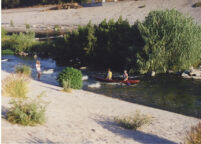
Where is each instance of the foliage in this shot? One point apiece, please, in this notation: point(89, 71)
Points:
point(19, 42)
point(23, 112)
point(135, 122)
point(197, 4)
point(27, 26)
point(194, 135)
point(11, 23)
point(67, 85)
point(7, 52)
point(15, 86)
point(72, 75)
point(23, 69)
point(172, 42)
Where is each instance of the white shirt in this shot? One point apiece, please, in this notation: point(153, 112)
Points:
point(38, 67)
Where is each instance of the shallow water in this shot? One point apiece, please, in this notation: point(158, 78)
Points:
point(168, 92)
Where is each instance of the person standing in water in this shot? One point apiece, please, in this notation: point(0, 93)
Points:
point(109, 74)
point(125, 75)
point(38, 69)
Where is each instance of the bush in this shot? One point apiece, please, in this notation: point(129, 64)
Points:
point(7, 52)
point(15, 86)
point(194, 135)
point(135, 122)
point(23, 69)
point(26, 112)
point(19, 42)
point(198, 4)
point(172, 42)
point(72, 75)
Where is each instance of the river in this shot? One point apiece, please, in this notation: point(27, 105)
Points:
point(167, 92)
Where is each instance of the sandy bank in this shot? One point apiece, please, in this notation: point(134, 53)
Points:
point(83, 117)
point(41, 20)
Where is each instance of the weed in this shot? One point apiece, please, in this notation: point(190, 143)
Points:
point(23, 69)
point(135, 122)
point(194, 135)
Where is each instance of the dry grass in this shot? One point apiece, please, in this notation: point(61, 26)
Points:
point(15, 86)
point(67, 86)
point(23, 69)
point(133, 122)
point(27, 112)
point(194, 135)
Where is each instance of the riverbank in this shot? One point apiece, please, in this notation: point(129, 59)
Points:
point(85, 117)
point(42, 20)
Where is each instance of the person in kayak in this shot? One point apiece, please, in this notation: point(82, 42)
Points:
point(125, 75)
point(109, 74)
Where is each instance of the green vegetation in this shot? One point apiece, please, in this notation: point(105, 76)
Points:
point(197, 4)
point(73, 76)
point(26, 112)
point(67, 85)
point(166, 40)
point(19, 42)
point(23, 69)
point(194, 135)
point(172, 42)
point(7, 52)
point(11, 23)
point(15, 86)
point(135, 122)
point(28, 26)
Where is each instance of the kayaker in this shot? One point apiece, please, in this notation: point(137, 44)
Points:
point(109, 74)
point(125, 75)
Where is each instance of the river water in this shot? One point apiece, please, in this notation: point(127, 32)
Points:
point(167, 92)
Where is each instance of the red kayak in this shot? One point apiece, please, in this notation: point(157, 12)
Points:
point(128, 82)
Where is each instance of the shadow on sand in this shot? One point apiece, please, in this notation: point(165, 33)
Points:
point(138, 136)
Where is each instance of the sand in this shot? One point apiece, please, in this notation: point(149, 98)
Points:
point(83, 117)
point(41, 20)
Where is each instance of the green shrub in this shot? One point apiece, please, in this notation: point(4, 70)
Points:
point(23, 69)
point(72, 75)
point(23, 112)
point(15, 86)
point(27, 26)
point(197, 4)
point(172, 42)
point(11, 23)
point(67, 85)
point(194, 135)
point(19, 42)
point(133, 122)
point(7, 52)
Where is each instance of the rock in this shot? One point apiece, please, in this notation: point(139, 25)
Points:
point(153, 73)
point(85, 77)
point(4, 60)
point(185, 75)
point(50, 71)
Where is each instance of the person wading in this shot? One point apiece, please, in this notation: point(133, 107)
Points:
point(38, 69)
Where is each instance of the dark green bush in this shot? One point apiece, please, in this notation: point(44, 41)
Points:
point(172, 42)
point(74, 76)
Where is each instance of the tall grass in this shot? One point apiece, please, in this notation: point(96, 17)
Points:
point(194, 135)
point(30, 112)
point(15, 86)
point(67, 85)
point(133, 122)
point(23, 69)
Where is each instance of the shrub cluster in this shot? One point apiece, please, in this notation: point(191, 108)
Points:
point(18, 42)
point(133, 122)
point(26, 112)
point(72, 76)
point(23, 69)
point(194, 135)
point(197, 4)
point(15, 86)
